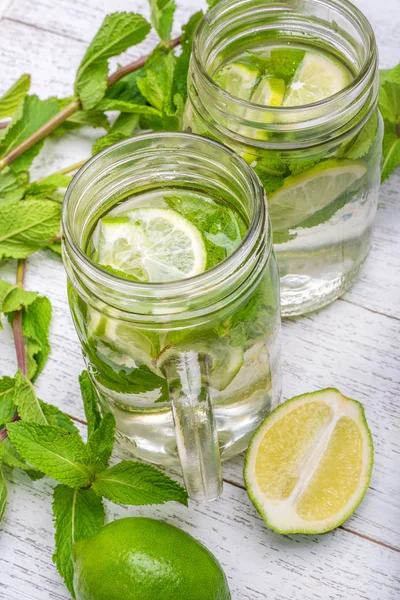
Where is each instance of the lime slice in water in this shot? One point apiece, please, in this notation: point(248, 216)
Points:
point(152, 245)
point(238, 79)
point(303, 195)
point(316, 78)
point(309, 464)
point(269, 92)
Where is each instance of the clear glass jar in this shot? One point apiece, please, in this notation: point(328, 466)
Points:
point(336, 142)
point(189, 368)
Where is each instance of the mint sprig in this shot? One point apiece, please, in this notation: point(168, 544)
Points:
point(389, 104)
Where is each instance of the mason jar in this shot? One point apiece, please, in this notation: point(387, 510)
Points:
point(189, 368)
point(319, 162)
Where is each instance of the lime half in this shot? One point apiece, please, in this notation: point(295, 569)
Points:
point(238, 79)
point(316, 78)
point(152, 245)
point(301, 196)
point(309, 464)
point(269, 92)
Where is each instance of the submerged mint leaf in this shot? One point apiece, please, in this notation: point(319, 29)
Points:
point(14, 97)
point(360, 145)
point(136, 484)
point(78, 514)
point(28, 229)
point(162, 17)
point(53, 451)
point(117, 33)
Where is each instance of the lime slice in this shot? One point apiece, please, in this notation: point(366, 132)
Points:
point(225, 360)
point(269, 92)
point(238, 79)
point(301, 196)
point(152, 245)
point(316, 78)
point(309, 464)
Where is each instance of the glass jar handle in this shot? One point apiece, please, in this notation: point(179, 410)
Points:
point(187, 373)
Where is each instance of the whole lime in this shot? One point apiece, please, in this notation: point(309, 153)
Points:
point(144, 559)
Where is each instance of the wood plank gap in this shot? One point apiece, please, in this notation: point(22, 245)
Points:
point(5, 8)
point(375, 312)
point(39, 28)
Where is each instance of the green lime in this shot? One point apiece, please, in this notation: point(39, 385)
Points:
point(309, 464)
point(301, 196)
point(316, 78)
point(238, 79)
point(268, 92)
point(144, 559)
point(152, 245)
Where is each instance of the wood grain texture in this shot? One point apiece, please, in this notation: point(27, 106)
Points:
point(352, 345)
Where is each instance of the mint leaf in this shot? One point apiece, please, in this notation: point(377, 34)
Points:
point(100, 444)
point(12, 185)
point(56, 418)
point(118, 32)
point(35, 328)
point(391, 149)
point(125, 123)
point(183, 60)
point(3, 494)
point(156, 78)
point(50, 449)
point(270, 182)
point(26, 230)
point(28, 406)
point(7, 406)
point(108, 140)
point(40, 189)
point(127, 107)
point(162, 17)
point(135, 483)
point(13, 298)
point(12, 99)
point(89, 398)
point(361, 144)
point(35, 113)
point(12, 459)
point(78, 514)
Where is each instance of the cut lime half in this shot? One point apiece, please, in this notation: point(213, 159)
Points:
point(152, 245)
point(309, 464)
point(316, 78)
point(301, 196)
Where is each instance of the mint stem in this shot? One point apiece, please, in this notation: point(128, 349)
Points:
point(72, 108)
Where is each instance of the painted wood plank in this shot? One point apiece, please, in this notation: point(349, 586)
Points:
point(259, 563)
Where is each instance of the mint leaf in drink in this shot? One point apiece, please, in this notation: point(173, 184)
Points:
point(117, 33)
point(78, 514)
point(361, 144)
point(53, 451)
point(182, 61)
point(32, 227)
point(35, 328)
point(14, 97)
point(7, 406)
point(270, 182)
point(12, 459)
point(35, 113)
point(90, 406)
point(3, 493)
point(136, 484)
point(28, 405)
point(12, 186)
point(100, 444)
point(56, 418)
point(13, 298)
point(162, 17)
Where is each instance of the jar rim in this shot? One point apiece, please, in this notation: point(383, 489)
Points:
point(356, 86)
point(173, 289)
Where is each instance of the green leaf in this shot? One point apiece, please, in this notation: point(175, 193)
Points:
point(183, 60)
point(35, 328)
point(156, 79)
point(13, 298)
point(118, 32)
point(28, 405)
point(57, 418)
point(136, 483)
point(12, 99)
point(391, 149)
point(100, 444)
point(13, 460)
point(35, 113)
point(26, 230)
point(12, 185)
point(91, 118)
point(90, 405)
point(125, 123)
point(78, 514)
point(7, 406)
point(361, 144)
point(162, 17)
point(57, 453)
point(108, 140)
point(40, 189)
point(3, 495)
point(127, 107)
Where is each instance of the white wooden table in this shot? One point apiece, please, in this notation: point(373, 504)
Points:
point(353, 345)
